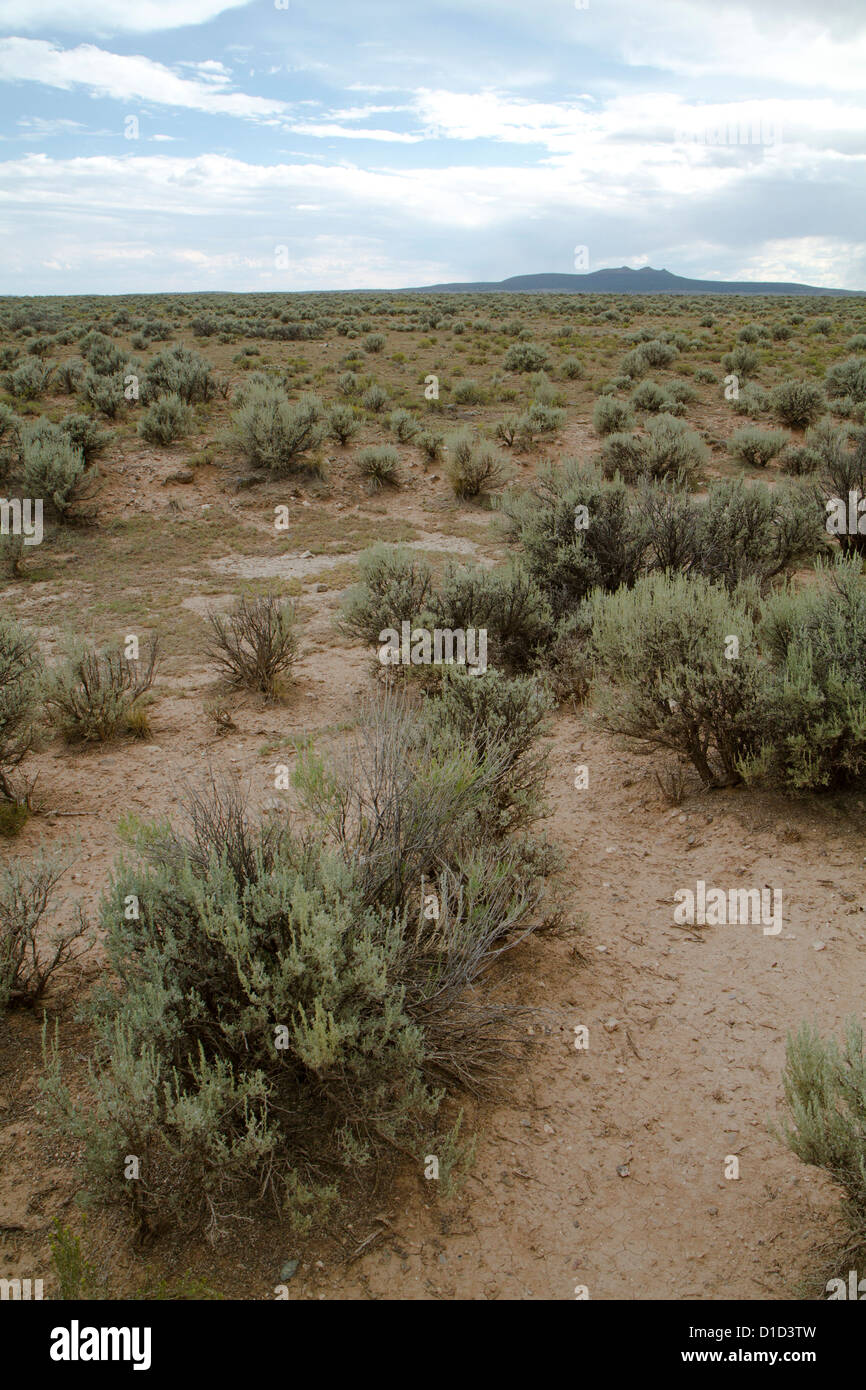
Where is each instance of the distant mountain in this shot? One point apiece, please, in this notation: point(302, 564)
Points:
point(624, 281)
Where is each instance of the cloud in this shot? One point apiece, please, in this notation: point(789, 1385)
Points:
point(111, 16)
point(126, 78)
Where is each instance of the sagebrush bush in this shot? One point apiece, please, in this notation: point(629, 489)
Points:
point(506, 603)
point(178, 371)
point(825, 1097)
point(166, 419)
point(467, 392)
point(797, 404)
point(610, 416)
point(20, 670)
point(752, 400)
point(755, 447)
point(472, 466)
point(749, 531)
point(811, 711)
point(254, 646)
point(104, 393)
point(343, 424)
point(526, 357)
point(275, 433)
point(668, 448)
point(664, 676)
point(799, 460)
point(577, 532)
point(379, 464)
point(53, 469)
point(284, 1010)
point(375, 398)
point(403, 425)
point(432, 445)
point(846, 379)
point(29, 379)
point(742, 362)
point(29, 956)
point(503, 715)
point(93, 695)
point(395, 586)
point(84, 433)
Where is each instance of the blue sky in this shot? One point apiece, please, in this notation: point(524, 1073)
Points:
point(157, 145)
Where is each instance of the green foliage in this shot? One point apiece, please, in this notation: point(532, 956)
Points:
point(93, 695)
point(847, 378)
point(275, 433)
point(525, 357)
point(395, 587)
point(403, 425)
point(28, 380)
point(84, 433)
point(666, 449)
point(20, 668)
point(283, 1013)
point(178, 371)
point(811, 713)
point(825, 1097)
point(751, 531)
point(472, 466)
point(797, 404)
point(610, 416)
point(343, 424)
point(379, 465)
point(53, 469)
point(30, 956)
point(168, 418)
point(755, 447)
point(664, 674)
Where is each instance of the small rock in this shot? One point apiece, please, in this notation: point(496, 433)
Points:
point(183, 475)
point(289, 1270)
point(611, 1025)
point(306, 555)
point(623, 1170)
point(819, 946)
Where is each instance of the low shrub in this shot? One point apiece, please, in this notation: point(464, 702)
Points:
point(20, 670)
point(284, 1007)
point(275, 433)
point(610, 416)
point(29, 956)
point(166, 419)
point(254, 646)
point(664, 676)
point(472, 466)
point(379, 465)
point(797, 404)
point(94, 695)
point(755, 448)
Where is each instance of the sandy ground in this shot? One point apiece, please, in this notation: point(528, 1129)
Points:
point(604, 1168)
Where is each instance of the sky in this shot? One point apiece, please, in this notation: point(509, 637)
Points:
point(190, 145)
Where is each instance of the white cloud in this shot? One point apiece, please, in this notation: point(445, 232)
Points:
point(124, 78)
point(110, 16)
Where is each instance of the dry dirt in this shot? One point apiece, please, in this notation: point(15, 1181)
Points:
point(602, 1167)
